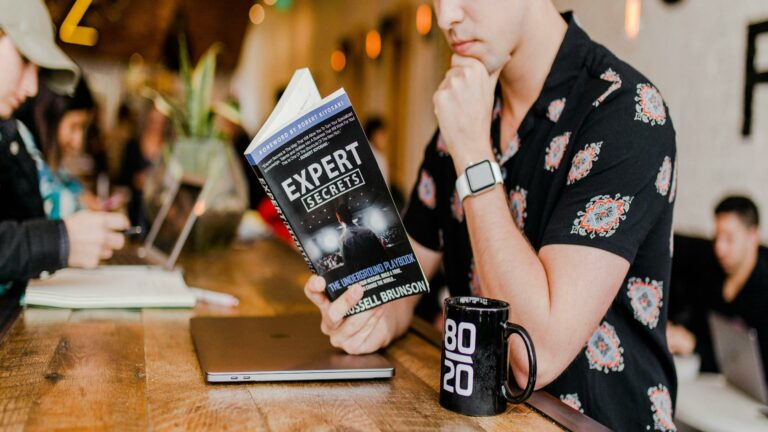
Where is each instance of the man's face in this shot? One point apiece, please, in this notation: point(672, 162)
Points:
point(18, 78)
point(733, 241)
point(488, 30)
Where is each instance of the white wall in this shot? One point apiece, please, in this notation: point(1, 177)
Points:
point(695, 54)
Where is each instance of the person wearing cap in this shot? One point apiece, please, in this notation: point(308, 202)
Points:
point(32, 245)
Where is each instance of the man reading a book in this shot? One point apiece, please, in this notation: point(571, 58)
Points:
point(550, 185)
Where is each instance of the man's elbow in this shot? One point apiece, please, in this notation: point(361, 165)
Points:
point(547, 370)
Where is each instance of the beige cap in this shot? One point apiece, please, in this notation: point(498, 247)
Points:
point(28, 24)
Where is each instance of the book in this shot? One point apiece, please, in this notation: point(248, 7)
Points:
point(316, 165)
point(111, 287)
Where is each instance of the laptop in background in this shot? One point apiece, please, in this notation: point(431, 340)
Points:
point(171, 226)
point(282, 348)
point(737, 351)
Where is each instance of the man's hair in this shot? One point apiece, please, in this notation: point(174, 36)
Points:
point(743, 207)
point(373, 125)
point(344, 213)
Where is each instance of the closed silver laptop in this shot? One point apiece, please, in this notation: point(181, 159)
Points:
point(282, 348)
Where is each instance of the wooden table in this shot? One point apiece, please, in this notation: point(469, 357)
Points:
point(137, 369)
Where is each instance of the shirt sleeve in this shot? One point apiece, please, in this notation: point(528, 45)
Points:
point(32, 247)
point(421, 219)
point(621, 178)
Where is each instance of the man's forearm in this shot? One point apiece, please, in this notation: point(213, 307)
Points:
point(509, 268)
point(542, 289)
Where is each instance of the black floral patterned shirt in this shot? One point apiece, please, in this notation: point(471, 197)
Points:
point(593, 163)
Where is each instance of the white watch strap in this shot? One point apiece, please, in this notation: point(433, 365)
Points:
point(462, 187)
point(462, 184)
point(497, 177)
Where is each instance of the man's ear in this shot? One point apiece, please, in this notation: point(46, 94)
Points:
point(754, 236)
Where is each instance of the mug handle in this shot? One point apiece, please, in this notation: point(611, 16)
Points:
point(509, 330)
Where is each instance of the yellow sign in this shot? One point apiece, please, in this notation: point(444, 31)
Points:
point(71, 32)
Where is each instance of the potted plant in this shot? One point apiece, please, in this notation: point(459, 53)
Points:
point(200, 150)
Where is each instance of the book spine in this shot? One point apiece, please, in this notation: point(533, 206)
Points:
point(282, 216)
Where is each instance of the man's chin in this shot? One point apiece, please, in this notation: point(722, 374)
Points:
point(727, 269)
point(5, 112)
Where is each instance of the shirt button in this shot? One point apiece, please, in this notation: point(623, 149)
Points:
point(14, 148)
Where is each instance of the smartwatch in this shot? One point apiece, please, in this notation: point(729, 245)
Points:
point(478, 178)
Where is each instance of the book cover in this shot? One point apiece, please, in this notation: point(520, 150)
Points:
point(322, 176)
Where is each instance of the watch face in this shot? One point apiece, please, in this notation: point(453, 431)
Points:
point(480, 176)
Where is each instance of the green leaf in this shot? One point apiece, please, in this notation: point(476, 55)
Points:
point(202, 92)
point(186, 77)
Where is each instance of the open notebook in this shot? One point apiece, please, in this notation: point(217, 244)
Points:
point(111, 287)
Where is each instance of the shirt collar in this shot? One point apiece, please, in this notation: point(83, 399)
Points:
point(568, 63)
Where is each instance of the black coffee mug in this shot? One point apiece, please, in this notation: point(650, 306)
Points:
point(475, 370)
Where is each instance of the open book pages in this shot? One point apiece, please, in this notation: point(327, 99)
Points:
point(111, 287)
point(300, 96)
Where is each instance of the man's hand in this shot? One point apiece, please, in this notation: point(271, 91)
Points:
point(680, 340)
point(463, 106)
point(92, 237)
point(363, 333)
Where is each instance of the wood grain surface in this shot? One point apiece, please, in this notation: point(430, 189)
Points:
point(137, 369)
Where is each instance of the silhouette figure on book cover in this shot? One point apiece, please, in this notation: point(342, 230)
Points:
point(359, 246)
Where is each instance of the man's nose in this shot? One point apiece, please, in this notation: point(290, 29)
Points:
point(447, 12)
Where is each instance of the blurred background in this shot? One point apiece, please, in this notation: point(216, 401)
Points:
point(390, 56)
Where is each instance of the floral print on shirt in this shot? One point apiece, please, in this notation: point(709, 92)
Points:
point(582, 162)
point(604, 351)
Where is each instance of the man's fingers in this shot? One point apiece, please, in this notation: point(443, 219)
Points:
point(463, 61)
point(355, 324)
point(116, 221)
point(106, 253)
point(495, 77)
point(339, 307)
point(358, 342)
point(314, 289)
point(114, 241)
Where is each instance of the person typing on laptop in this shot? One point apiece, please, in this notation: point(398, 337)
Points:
point(737, 288)
point(31, 244)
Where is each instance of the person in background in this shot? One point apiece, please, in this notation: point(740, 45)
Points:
point(139, 155)
point(125, 129)
point(32, 245)
point(59, 125)
point(738, 288)
point(229, 124)
point(376, 130)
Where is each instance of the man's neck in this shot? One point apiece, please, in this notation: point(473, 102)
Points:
point(734, 281)
point(523, 77)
